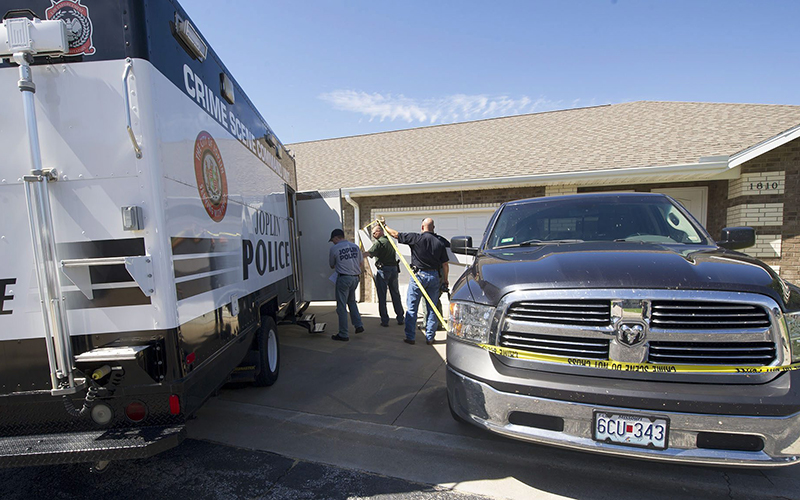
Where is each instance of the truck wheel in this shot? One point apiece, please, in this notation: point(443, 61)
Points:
point(268, 353)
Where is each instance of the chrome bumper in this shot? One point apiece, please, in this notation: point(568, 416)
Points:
point(486, 407)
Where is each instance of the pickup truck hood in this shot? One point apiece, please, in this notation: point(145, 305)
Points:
point(621, 265)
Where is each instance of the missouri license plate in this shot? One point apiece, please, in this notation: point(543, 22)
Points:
point(631, 430)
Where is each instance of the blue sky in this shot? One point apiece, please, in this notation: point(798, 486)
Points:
point(322, 69)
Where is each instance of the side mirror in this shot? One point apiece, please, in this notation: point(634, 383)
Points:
point(735, 238)
point(462, 245)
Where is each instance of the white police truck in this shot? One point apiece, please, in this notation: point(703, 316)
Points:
point(149, 242)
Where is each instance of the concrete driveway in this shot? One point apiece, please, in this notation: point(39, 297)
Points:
point(377, 404)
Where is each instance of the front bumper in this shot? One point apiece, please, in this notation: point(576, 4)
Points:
point(487, 398)
point(486, 407)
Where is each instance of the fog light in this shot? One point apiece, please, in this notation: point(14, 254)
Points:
point(793, 329)
point(102, 414)
point(136, 411)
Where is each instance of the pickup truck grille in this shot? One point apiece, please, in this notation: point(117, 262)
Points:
point(712, 353)
point(684, 327)
point(562, 312)
point(568, 347)
point(685, 315)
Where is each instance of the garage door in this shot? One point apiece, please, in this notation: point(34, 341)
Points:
point(448, 223)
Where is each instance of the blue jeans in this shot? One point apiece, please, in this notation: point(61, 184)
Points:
point(430, 281)
point(346, 298)
point(387, 278)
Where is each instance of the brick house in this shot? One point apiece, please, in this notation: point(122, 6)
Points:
point(729, 164)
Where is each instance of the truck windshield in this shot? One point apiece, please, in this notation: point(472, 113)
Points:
point(572, 220)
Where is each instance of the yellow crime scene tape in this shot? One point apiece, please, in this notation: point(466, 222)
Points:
point(618, 366)
point(431, 304)
point(621, 366)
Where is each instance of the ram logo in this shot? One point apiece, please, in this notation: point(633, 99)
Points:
point(630, 334)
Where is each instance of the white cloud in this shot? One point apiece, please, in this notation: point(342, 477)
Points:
point(447, 109)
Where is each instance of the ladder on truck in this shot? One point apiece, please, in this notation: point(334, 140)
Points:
point(21, 39)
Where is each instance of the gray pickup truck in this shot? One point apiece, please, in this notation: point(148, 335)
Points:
point(614, 323)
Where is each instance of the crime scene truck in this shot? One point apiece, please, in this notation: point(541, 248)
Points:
point(149, 241)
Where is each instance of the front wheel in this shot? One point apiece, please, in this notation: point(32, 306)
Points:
point(268, 353)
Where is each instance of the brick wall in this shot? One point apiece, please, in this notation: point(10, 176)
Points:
point(756, 215)
point(765, 198)
point(560, 190)
point(757, 183)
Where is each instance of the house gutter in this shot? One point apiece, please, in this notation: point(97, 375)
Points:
point(716, 167)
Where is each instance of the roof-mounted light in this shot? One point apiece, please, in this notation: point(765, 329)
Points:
point(191, 38)
point(34, 37)
point(226, 88)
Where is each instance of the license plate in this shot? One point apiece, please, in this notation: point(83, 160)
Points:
point(631, 430)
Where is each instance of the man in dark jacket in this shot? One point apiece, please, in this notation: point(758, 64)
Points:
point(428, 254)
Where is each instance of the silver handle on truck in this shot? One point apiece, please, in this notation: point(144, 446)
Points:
point(128, 69)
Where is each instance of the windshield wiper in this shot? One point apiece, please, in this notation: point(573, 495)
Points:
point(528, 243)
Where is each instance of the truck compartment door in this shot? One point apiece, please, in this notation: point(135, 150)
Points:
point(318, 213)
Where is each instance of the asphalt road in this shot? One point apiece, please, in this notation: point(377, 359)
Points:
point(200, 470)
point(377, 404)
point(369, 419)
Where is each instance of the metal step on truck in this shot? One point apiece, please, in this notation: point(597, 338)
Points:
point(150, 238)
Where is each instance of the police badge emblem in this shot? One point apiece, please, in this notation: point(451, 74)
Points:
point(79, 24)
point(209, 171)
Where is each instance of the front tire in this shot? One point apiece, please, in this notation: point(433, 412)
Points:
point(268, 353)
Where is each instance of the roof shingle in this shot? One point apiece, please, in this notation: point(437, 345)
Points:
point(633, 134)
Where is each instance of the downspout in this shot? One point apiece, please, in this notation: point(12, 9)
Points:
point(356, 216)
point(356, 227)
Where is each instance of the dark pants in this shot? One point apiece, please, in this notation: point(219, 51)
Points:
point(438, 301)
point(430, 282)
point(387, 278)
point(346, 299)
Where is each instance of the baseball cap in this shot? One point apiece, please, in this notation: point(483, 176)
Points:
point(335, 233)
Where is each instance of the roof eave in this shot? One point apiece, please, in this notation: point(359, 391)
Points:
point(765, 146)
point(715, 168)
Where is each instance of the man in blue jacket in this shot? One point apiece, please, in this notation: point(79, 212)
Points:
point(428, 254)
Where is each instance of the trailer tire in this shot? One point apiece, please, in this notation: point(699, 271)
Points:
point(268, 353)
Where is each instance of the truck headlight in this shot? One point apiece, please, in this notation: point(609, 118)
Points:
point(793, 329)
point(470, 322)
